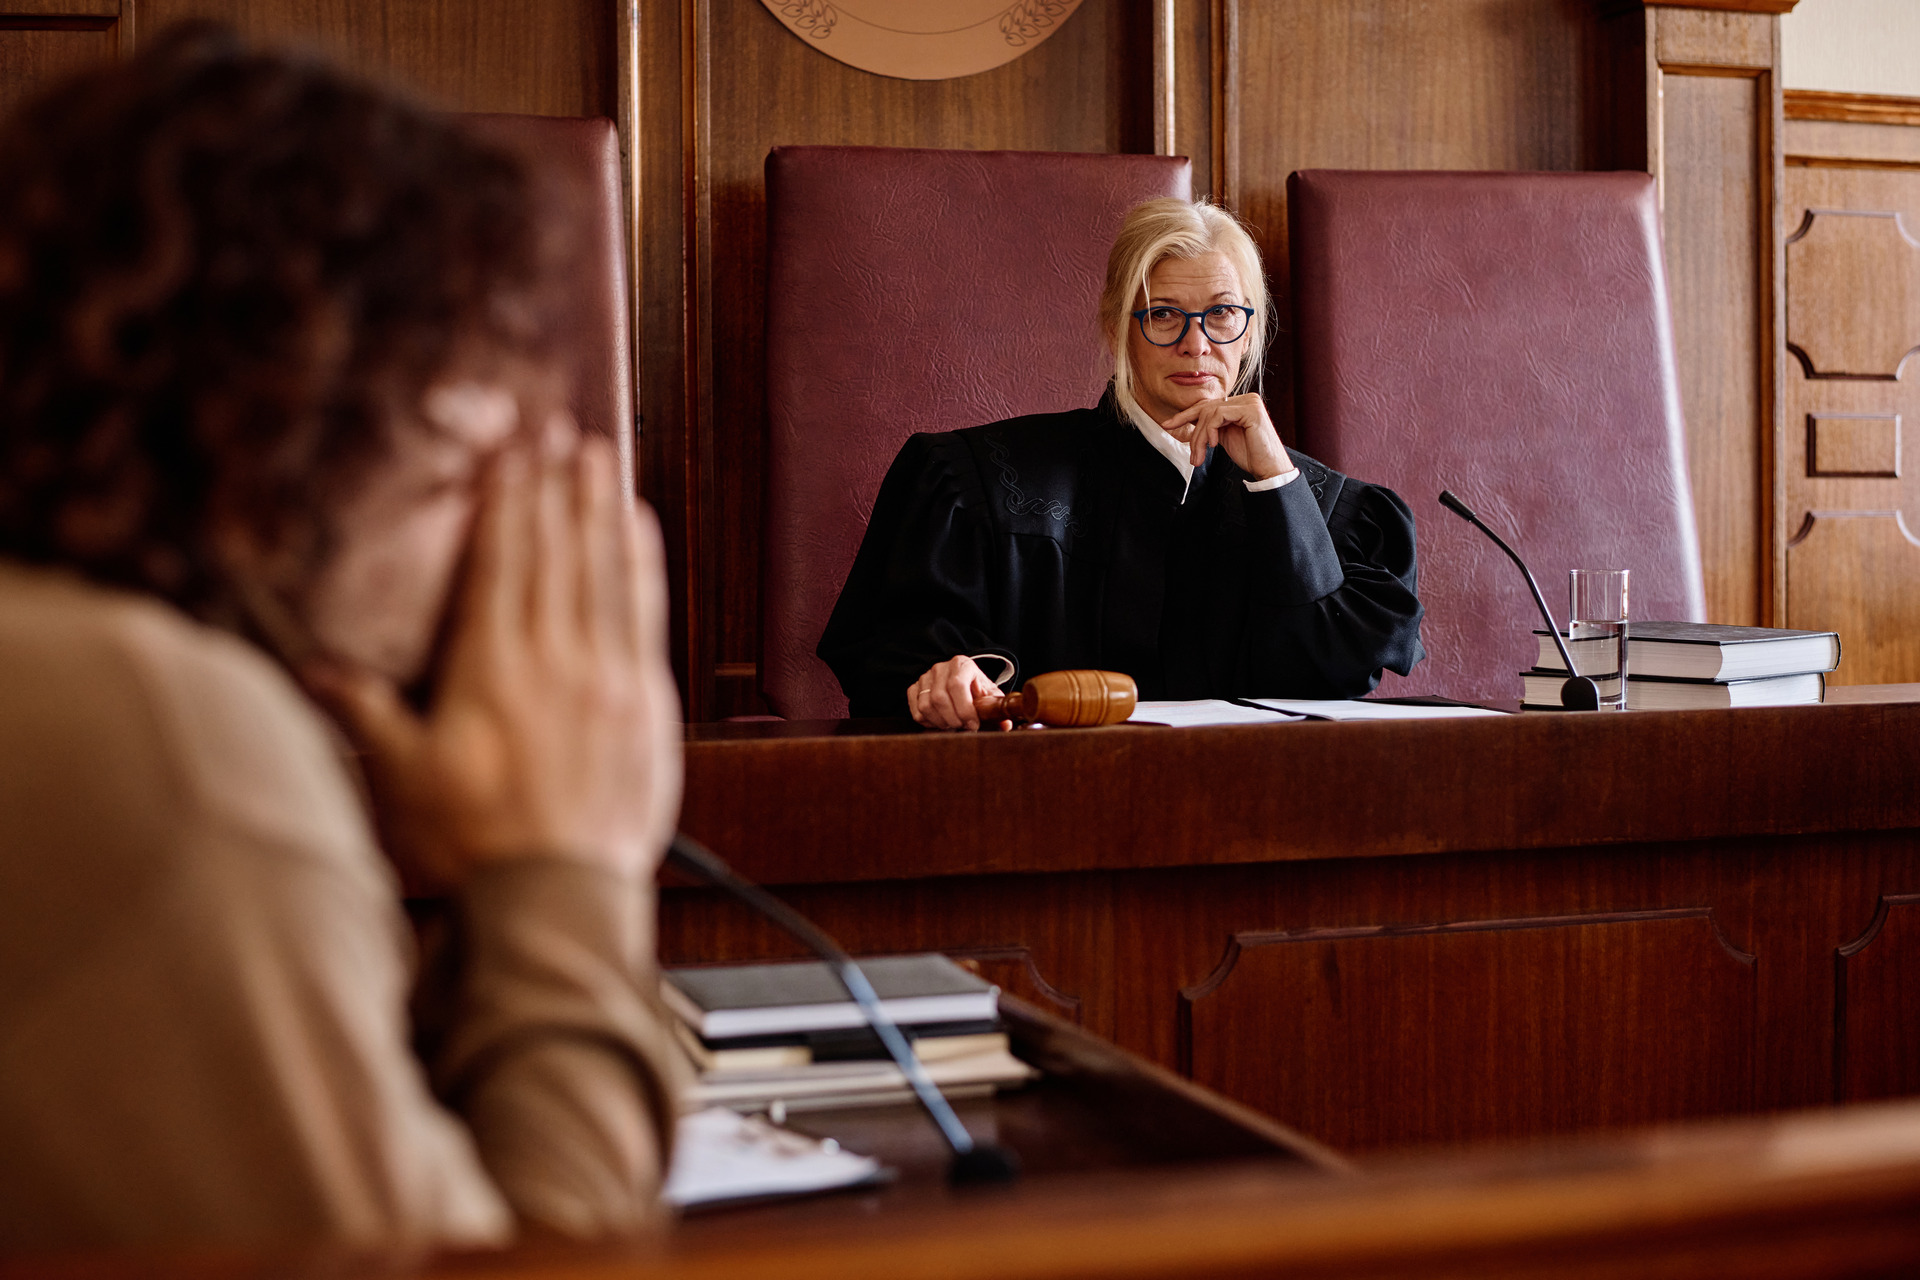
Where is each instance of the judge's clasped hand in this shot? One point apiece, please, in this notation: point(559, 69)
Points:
point(943, 697)
point(1240, 425)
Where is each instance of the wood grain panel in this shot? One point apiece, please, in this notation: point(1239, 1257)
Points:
point(1513, 1028)
point(1858, 573)
point(1787, 824)
point(1877, 1006)
point(541, 57)
point(1714, 176)
point(37, 51)
point(1853, 444)
point(1853, 286)
point(1853, 293)
point(1697, 37)
point(1863, 108)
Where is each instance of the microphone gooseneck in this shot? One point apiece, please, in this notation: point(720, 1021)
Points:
point(973, 1163)
point(1578, 693)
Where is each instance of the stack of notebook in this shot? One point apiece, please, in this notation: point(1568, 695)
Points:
point(787, 1037)
point(1680, 665)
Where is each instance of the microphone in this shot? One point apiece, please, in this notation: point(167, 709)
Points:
point(974, 1163)
point(1578, 693)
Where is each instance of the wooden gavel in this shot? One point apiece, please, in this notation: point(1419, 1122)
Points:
point(1066, 699)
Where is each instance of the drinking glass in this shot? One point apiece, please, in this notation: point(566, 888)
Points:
point(1597, 631)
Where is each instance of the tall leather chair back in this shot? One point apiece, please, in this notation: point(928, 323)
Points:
point(913, 290)
point(576, 162)
point(1506, 336)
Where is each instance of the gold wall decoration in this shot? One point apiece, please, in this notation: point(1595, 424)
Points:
point(923, 39)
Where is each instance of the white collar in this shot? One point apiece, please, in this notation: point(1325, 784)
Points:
point(1156, 435)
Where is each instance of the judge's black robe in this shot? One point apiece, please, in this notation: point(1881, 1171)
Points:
point(1060, 540)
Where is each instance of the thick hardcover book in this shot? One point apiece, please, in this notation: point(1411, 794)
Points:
point(1646, 693)
point(731, 1001)
point(1706, 651)
point(857, 1083)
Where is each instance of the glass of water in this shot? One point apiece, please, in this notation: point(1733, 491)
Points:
point(1597, 631)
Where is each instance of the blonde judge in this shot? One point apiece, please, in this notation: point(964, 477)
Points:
point(1166, 532)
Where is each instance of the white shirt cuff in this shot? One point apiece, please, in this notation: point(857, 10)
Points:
point(1006, 665)
point(1272, 482)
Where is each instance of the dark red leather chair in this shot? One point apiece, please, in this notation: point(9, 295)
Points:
point(912, 290)
point(1505, 336)
point(577, 163)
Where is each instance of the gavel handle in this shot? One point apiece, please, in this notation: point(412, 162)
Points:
point(1004, 706)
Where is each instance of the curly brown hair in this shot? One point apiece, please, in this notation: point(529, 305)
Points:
point(227, 275)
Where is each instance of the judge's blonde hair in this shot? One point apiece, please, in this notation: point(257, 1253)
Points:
point(1169, 227)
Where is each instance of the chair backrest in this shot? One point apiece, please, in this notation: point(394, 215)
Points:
point(577, 164)
point(1506, 336)
point(913, 290)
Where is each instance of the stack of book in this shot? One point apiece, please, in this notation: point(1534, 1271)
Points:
point(786, 1037)
point(1675, 666)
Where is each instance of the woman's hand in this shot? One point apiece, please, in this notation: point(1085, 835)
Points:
point(1240, 424)
point(943, 698)
point(554, 729)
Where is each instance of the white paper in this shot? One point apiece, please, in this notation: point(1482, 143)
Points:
point(1355, 710)
point(721, 1155)
point(1186, 715)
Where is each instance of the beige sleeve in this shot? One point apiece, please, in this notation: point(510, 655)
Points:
point(205, 973)
point(558, 1054)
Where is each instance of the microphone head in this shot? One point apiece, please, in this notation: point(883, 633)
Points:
point(984, 1165)
point(1454, 504)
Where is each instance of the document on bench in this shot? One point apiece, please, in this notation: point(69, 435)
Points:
point(721, 1157)
point(1207, 711)
point(1355, 709)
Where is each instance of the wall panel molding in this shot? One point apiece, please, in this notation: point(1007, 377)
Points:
point(1876, 1035)
point(1540, 987)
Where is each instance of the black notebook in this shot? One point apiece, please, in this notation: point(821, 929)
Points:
point(730, 1002)
point(1706, 651)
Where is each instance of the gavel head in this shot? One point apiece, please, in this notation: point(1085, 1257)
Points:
point(1077, 699)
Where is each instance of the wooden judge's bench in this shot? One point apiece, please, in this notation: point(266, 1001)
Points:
point(1381, 933)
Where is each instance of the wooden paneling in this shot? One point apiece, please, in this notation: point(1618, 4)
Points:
point(1839, 569)
point(1854, 444)
point(43, 40)
point(541, 57)
point(1877, 1006)
point(1505, 1027)
point(1714, 103)
point(1853, 293)
point(1536, 924)
point(1853, 317)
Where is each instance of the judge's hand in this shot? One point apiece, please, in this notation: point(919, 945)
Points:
point(943, 697)
point(1241, 426)
point(554, 729)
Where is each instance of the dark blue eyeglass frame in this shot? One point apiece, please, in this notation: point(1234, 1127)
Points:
point(1246, 318)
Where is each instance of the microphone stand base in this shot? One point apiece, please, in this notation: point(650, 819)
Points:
point(1580, 694)
point(985, 1165)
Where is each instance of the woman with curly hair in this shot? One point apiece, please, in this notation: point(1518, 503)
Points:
point(278, 430)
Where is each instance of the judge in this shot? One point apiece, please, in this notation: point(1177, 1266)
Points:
point(1164, 532)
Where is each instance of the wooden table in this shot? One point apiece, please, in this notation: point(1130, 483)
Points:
point(1382, 933)
point(1133, 1173)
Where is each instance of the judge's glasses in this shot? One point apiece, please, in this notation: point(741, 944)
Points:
point(1164, 326)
